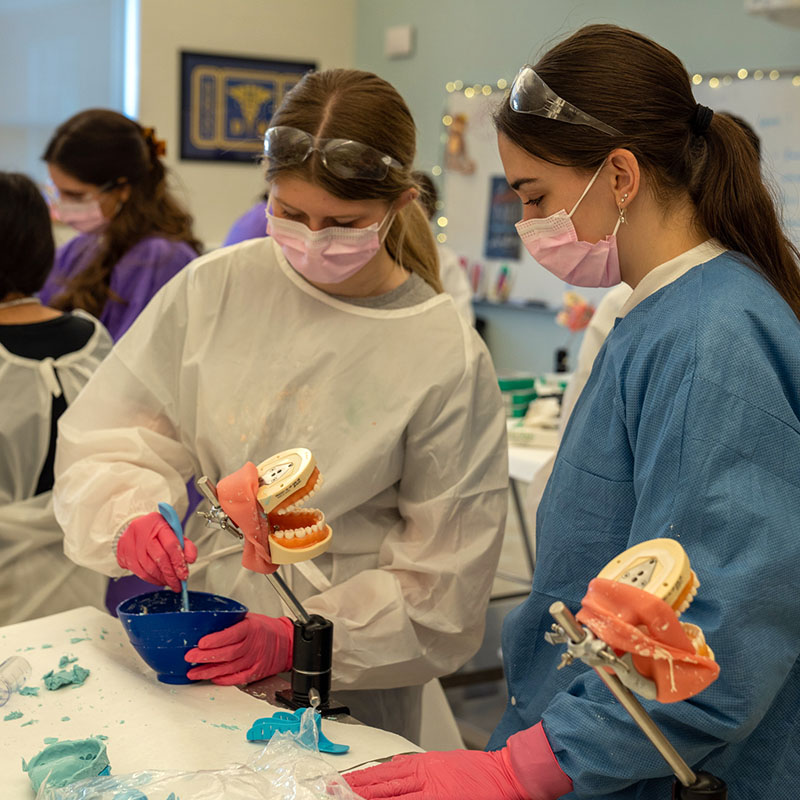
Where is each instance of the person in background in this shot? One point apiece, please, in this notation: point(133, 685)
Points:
point(333, 334)
point(251, 225)
point(109, 183)
point(688, 429)
point(454, 279)
point(46, 357)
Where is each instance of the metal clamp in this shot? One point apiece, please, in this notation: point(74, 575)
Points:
point(597, 654)
point(217, 518)
point(575, 634)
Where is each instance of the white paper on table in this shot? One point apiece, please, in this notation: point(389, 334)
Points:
point(149, 725)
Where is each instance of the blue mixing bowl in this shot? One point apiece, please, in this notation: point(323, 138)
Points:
point(162, 634)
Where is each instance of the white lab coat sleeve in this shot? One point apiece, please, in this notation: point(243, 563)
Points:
point(421, 614)
point(118, 452)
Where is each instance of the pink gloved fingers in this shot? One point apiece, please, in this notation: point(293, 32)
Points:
point(207, 672)
point(452, 775)
point(242, 676)
point(163, 566)
point(140, 550)
point(259, 646)
point(391, 789)
point(239, 632)
point(396, 778)
point(219, 655)
point(143, 565)
point(172, 547)
point(189, 551)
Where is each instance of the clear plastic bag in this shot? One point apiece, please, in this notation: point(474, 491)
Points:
point(288, 768)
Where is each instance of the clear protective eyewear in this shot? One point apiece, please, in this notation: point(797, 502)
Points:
point(284, 146)
point(531, 95)
point(53, 195)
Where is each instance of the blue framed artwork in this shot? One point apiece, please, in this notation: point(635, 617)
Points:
point(227, 103)
point(505, 210)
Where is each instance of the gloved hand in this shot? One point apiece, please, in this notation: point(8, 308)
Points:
point(149, 548)
point(441, 776)
point(248, 651)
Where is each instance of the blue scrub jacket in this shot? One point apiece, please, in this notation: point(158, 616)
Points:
point(688, 428)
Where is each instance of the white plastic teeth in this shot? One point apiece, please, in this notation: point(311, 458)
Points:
point(301, 533)
point(689, 597)
point(299, 504)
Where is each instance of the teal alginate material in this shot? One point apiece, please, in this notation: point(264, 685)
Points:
point(66, 762)
point(65, 677)
point(29, 691)
point(65, 660)
point(12, 715)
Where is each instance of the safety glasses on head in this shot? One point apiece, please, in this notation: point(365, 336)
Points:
point(531, 95)
point(284, 146)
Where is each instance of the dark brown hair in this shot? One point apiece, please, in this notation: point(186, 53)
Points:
point(643, 90)
point(26, 236)
point(102, 147)
point(350, 104)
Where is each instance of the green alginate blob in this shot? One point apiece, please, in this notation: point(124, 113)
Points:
point(65, 677)
point(65, 762)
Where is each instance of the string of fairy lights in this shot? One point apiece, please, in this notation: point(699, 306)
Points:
point(487, 89)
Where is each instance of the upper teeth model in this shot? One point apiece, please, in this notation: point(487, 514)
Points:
point(285, 482)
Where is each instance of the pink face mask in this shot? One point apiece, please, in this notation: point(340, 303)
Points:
point(330, 255)
point(85, 216)
point(554, 243)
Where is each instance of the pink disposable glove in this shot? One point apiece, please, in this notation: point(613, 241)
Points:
point(456, 775)
point(149, 548)
point(248, 651)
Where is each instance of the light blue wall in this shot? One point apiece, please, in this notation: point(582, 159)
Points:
point(479, 41)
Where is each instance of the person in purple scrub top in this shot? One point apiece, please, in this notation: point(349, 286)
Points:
point(251, 225)
point(109, 183)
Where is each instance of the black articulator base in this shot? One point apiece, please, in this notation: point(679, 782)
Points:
point(311, 667)
point(706, 787)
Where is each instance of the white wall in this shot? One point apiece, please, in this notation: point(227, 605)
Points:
point(57, 57)
point(311, 30)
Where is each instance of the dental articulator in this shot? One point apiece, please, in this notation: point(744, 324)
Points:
point(285, 482)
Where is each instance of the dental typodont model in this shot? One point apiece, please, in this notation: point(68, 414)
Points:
point(285, 482)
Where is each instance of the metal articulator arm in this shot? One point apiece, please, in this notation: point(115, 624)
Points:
point(313, 634)
point(655, 580)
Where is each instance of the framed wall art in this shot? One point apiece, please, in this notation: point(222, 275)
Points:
point(228, 101)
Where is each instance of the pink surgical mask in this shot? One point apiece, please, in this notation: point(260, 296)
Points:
point(330, 255)
point(85, 216)
point(554, 243)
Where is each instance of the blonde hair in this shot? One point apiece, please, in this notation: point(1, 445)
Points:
point(351, 104)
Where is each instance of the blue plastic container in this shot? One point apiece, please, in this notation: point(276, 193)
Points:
point(162, 634)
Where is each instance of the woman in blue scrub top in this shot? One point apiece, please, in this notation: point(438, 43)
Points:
point(688, 428)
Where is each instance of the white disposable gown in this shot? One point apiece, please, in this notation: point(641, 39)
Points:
point(238, 358)
point(36, 578)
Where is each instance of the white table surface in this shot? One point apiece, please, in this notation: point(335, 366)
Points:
point(524, 462)
point(149, 725)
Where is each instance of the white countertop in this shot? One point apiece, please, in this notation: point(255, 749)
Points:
point(149, 725)
point(524, 462)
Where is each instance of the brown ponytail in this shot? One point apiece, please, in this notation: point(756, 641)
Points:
point(102, 147)
point(643, 90)
point(350, 104)
point(735, 206)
